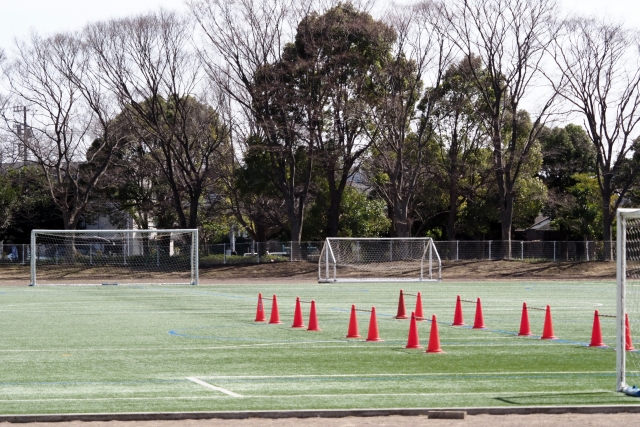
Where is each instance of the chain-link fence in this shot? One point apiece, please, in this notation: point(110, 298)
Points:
point(556, 251)
point(14, 253)
point(257, 252)
point(459, 250)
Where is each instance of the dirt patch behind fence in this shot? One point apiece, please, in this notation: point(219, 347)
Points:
point(307, 271)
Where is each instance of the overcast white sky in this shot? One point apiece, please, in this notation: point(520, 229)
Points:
point(18, 17)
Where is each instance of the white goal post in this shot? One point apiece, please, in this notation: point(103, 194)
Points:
point(376, 259)
point(110, 257)
point(627, 295)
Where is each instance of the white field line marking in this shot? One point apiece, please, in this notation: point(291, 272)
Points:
point(213, 387)
point(107, 313)
point(529, 341)
point(505, 373)
point(439, 394)
point(298, 395)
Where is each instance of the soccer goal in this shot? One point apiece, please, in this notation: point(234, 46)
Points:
point(101, 257)
point(379, 260)
point(628, 296)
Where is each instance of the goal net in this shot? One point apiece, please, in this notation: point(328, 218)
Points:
point(66, 257)
point(628, 295)
point(379, 260)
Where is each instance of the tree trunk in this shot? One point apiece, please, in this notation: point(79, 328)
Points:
point(453, 209)
point(505, 190)
point(333, 213)
point(607, 218)
point(336, 190)
point(295, 223)
point(177, 202)
point(506, 218)
point(401, 223)
point(194, 202)
point(70, 222)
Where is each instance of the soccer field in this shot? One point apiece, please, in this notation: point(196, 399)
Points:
point(160, 348)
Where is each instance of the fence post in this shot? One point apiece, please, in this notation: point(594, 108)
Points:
point(224, 251)
point(457, 250)
point(521, 249)
point(489, 249)
point(554, 251)
point(23, 254)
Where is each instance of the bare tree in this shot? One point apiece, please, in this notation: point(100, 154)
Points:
point(459, 132)
point(4, 136)
point(65, 131)
point(149, 63)
point(600, 63)
point(510, 37)
point(334, 61)
point(402, 117)
point(242, 49)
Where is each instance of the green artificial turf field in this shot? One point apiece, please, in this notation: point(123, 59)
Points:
point(155, 348)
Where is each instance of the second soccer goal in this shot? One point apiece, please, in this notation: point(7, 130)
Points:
point(379, 260)
point(101, 257)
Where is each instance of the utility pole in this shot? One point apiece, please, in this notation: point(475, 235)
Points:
point(23, 133)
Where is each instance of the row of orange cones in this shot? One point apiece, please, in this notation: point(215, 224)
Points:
point(412, 342)
point(458, 319)
point(298, 322)
point(434, 340)
point(525, 328)
point(373, 335)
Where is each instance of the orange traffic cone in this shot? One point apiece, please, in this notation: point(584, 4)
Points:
point(353, 324)
point(628, 344)
point(413, 341)
point(479, 321)
point(547, 332)
point(434, 337)
point(260, 310)
point(297, 316)
point(373, 334)
point(419, 314)
point(458, 320)
point(525, 329)
point(402, 313)
point(275, 314)
point(596, 332)
point(313, 318)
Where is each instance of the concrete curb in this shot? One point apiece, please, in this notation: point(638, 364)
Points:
point(328, 413)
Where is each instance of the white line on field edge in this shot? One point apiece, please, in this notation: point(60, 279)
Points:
point(445, 374)
point(350, 344)
point(213, 387)
point(298, 395)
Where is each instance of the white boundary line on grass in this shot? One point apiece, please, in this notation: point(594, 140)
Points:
point(213, 387)
point(350, 344)
point(421, 374)
point(298, 395)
